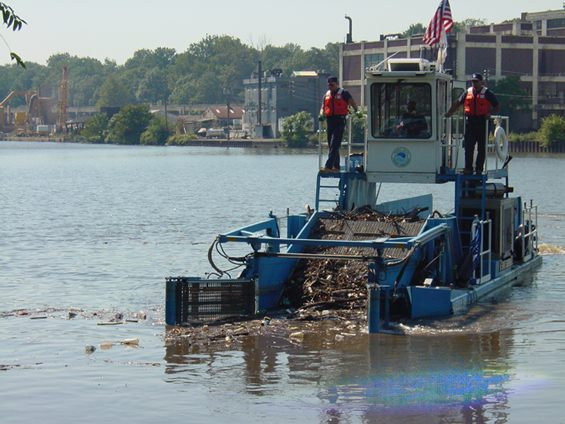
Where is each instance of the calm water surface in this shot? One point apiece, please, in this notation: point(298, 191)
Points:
point(100, 227)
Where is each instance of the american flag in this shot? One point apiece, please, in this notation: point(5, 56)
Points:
point(441, 21)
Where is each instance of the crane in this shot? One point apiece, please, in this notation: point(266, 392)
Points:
point(63, 101)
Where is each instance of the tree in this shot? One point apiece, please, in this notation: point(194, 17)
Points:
point(296, 128)
point(552, 130)
point(113, 93)
point(127, 126)
point(184, 90)
point(471, 22)
point(153, 88)
point(513, 99)
point(358, 129)
point(95, 129)
point(158, 132)
point(161, 57)
point(414, 29)
point(11, 20)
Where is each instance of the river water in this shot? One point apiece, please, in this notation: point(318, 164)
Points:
point(98, 228)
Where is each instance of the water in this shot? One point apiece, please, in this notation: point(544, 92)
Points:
point(100, 227)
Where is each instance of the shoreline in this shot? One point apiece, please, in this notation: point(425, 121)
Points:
point(247, 143)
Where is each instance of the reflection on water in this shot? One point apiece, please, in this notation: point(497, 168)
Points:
point(100, 227)
point(455, 377)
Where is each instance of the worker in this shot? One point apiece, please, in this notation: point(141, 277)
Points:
point(335, 110)
point(480, 104)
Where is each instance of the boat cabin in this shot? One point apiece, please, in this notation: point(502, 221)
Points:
point(407, 138)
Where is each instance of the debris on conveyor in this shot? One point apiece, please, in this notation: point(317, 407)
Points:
point(327, 283)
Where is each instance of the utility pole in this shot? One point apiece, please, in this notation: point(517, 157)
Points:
point(259, 94)
point(63, 101)
point(227, 92)
point(291, 92)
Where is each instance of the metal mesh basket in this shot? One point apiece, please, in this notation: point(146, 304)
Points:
point(194, 300)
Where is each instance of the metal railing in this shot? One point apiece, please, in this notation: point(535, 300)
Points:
point(346, 143)
point(452, 136)
point(452, 132)
point(528, 231)
point(481, 251)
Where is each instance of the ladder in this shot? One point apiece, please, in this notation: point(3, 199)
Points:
point(330, 188)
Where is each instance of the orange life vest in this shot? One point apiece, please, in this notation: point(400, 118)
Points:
point(476, 105)
point(335, 105)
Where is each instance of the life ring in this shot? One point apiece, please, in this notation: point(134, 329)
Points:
point(501, 143)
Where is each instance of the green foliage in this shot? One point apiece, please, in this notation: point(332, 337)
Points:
point(127, 126)
point(513, 99)
point(552, 130)
point(518, 137)
point(95, 130)
point(153, 87)
point(113, 93)
point(461, 26)
point(146, 59)
point(158, 132)
point(195, 76)
point(358, 129)
point(296, 128)
point(11, 20)
point(184, 90)
point(414, 29)
point(181, 139)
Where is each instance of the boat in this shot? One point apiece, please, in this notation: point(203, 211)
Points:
point(408, 260)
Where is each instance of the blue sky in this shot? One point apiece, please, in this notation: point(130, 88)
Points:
point(115, 29)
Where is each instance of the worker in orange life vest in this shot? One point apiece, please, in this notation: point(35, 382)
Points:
point(335, 110)
point(480, 104)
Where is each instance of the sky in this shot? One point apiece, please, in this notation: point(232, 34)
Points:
point(115, 29)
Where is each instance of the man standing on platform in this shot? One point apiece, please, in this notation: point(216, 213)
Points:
point(480, 104)
point(335, 110)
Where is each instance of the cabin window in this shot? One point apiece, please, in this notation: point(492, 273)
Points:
point(401, 110)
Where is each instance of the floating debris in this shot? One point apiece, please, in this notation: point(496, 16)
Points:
point(298, 336)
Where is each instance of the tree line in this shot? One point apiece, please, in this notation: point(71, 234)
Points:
point(196, 76)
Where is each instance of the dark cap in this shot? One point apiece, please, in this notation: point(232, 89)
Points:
point(477, 77)
point(332, 79)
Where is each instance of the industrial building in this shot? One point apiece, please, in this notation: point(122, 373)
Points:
point(280, 97)
point(532, 46)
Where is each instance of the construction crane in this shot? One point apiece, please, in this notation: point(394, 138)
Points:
point(63, 101)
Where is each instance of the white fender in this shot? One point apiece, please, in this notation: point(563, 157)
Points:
point(501, 143)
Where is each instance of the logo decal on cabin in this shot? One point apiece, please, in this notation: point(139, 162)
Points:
point(401, 157)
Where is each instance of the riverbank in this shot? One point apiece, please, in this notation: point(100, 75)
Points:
point(513, 146)
point(200, 142)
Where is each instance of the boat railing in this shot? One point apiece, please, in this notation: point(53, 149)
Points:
point(481, 247)
point(352, 148)
point(452, 135)
point(499, 144)
point(452, 132)
point(528, 232)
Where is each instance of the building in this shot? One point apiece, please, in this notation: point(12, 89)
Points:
point(220, 117)
point(532, 47)
point(280, 97)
